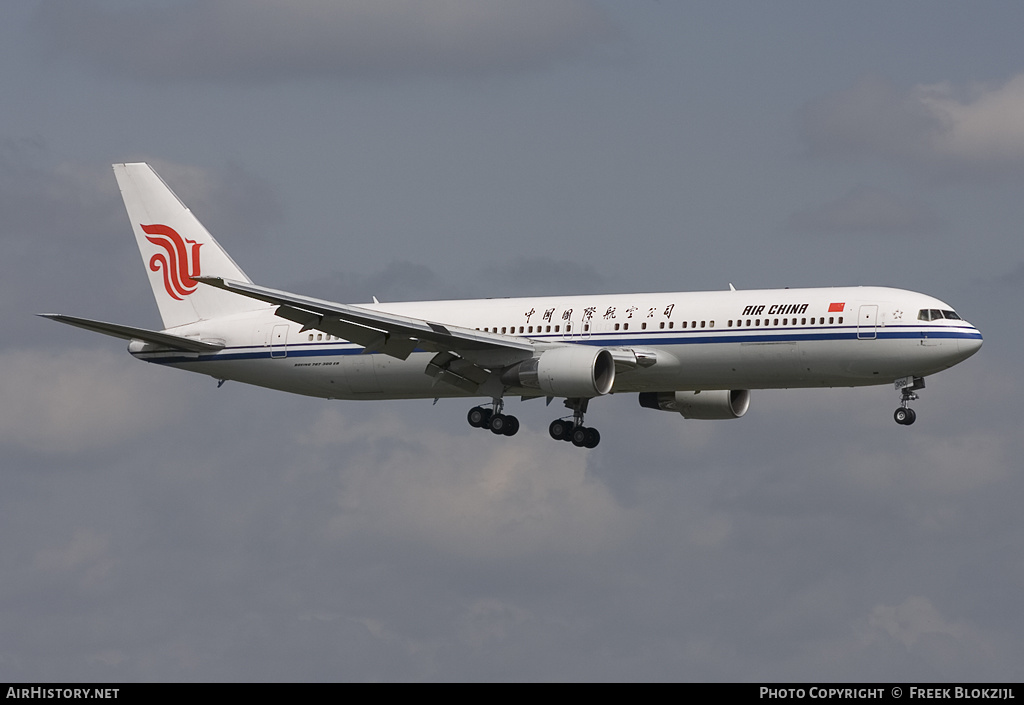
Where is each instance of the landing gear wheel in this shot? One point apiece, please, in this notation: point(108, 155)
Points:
point(592, 438)
point(511, 426)
point(904, 416)
point(560, 429)
point(498, 424)
point(579, 436)
point(477, 417)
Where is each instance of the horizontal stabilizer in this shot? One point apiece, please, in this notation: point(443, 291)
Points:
point(166, 340)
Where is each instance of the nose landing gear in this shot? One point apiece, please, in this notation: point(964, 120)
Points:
point(904, 415)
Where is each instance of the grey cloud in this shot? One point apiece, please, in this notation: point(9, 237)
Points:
point(48, 199)
point(868, 210)
point(401, 280)
point(62, 402)
point(233, 203)
point(872, 115)
point(398, 281)
point(941, 129)
point(273, 40)
point(64, 223)
point(541, 276)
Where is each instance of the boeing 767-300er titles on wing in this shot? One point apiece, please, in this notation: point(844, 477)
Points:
point(695, 353)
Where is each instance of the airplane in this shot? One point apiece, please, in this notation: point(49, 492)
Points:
point(697, 354)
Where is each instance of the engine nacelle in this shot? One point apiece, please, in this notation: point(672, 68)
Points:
point(705, 404)
point(571, 371)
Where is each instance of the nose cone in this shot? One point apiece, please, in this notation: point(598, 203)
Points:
point(969, 344)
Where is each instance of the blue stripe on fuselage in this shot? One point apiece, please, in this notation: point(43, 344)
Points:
point(606, 339)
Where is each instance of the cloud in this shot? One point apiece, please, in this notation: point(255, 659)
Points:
point(541, 276)
point(68, 243)
point(77, 400)
point(475, 497)
point(40, 194)
point(867, 210)
point(911, 620)
point(400, 280)
point(230, 200)
point(940, 128)
point(272, 40)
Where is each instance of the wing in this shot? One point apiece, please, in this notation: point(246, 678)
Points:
point(464, 357)
point(116, 330)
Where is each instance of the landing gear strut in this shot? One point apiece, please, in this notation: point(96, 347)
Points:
point(575, 431)
point(500, 424)
point(904, 415)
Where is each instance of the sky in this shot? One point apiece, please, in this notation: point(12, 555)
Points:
point(157, 528)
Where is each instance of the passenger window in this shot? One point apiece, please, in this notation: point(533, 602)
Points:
point(616, 326)
point(831, 320)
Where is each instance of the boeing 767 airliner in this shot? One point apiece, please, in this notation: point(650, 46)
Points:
point(695, 353)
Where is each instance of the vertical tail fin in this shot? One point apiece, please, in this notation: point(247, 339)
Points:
point(175, 248)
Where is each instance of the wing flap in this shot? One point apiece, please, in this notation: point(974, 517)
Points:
point(372, 339)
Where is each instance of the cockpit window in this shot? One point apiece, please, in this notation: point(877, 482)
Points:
point(934, 314)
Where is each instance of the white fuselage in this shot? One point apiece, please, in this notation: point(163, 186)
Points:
point(753, 339)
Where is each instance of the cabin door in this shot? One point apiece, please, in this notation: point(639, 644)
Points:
point(867, 322)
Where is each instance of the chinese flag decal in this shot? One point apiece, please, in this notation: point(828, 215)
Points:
point(836, 308)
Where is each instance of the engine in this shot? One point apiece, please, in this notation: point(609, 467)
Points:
point(705, 404)
point(571, 371)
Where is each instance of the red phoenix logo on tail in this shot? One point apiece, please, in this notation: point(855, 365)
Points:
point(179, 262)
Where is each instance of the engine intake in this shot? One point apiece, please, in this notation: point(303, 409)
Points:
point(705, 404)
point(571, 371)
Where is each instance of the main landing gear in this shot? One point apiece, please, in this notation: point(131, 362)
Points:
point(575, 431)
point(500, 424)
point(560, 429)
point(904, 415)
